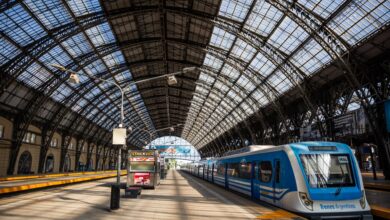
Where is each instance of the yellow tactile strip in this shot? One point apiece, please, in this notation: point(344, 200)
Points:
point(55, 183)
point(278, 214)
point(12, 178)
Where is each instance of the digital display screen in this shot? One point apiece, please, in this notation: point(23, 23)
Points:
point(322, 148)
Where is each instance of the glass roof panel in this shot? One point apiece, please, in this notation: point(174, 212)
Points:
point(80, 7)
point(8, 51)
point(123, 76)
point(323, 8)
point(206, 78)
point(360, 19)
point(235, 9)
point(221, 38)
point(51, 13)
point(77, 45)
point(288, 36)
point(231, 72)
point(311, 57)
point(213, 62)
point(35, 75)
point(56, 55)
point(61, 93)
point(100, 34)
point(262, 65)
point(263, 18)
point(114, 59)
point(243, 50)
point(20, 26)
point(279, 81)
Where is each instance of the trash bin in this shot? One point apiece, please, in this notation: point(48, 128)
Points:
point(115, 196)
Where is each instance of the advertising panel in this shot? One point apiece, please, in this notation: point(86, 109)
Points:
point(142, 178)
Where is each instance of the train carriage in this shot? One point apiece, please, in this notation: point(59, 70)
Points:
point(315, 179)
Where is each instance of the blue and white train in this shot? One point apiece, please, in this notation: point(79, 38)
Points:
point(315, 179)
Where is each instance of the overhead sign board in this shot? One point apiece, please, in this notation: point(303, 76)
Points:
point(119, 136)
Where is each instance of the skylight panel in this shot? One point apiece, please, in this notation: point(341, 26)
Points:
point(100, 34)
point(235, 9)
point(97, 67)
point(55, 55)
point(323, 8)
point(262, 65)
point(279, 81)
point(259, 97)
point(212, 62)
point(311, 57)
point(51, 13)
point(263, 18)
point(288, 36)
point(243, 50)
point(61, 93)
point(360, 19)
point(206, 78)
point(245, 83)
point(8, 51)
point(123, 76)
point(77, 45)
point(114, 59)
point(20, 26)
point(221, 86)
point(231, 72)
point(221, 38)
point(80, 7)
point(35, 75)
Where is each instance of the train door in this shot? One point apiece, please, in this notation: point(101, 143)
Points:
point(204, 170)
point(255, 180)
point(226, 176)
point(276, 179)
point(212, 173)
point(253, 176)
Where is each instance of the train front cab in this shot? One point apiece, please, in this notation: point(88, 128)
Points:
point(329, 183)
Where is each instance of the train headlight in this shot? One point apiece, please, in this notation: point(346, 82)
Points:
point(306, 201)
point(363, 200)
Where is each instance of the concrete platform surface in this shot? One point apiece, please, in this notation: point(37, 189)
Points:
point(179, 196)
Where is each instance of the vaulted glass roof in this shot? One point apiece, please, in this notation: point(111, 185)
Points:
point(248, 52)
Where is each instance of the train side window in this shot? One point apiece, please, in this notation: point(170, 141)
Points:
point(233, 169)
point(221, 169)
point(265, 171)
point(245, 170)
point(277, 171)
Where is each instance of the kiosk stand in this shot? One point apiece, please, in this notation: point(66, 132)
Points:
point(143, 169)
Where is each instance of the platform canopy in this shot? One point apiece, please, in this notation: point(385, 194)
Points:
point(248, 53)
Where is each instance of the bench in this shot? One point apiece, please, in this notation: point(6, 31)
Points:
point(132, 192)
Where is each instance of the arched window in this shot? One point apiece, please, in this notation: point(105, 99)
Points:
point(49, 165)
point(67, 163)
point(25, 160)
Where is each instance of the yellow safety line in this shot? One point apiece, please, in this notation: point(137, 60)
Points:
point(12, 178)
point(278, 214)
point(53, 183)
point(380, 211)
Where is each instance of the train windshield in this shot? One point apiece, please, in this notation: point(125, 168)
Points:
point(327, 170)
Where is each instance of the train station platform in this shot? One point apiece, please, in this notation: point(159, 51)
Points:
point(180, 196)
point(14, 184)
point(378, 194)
